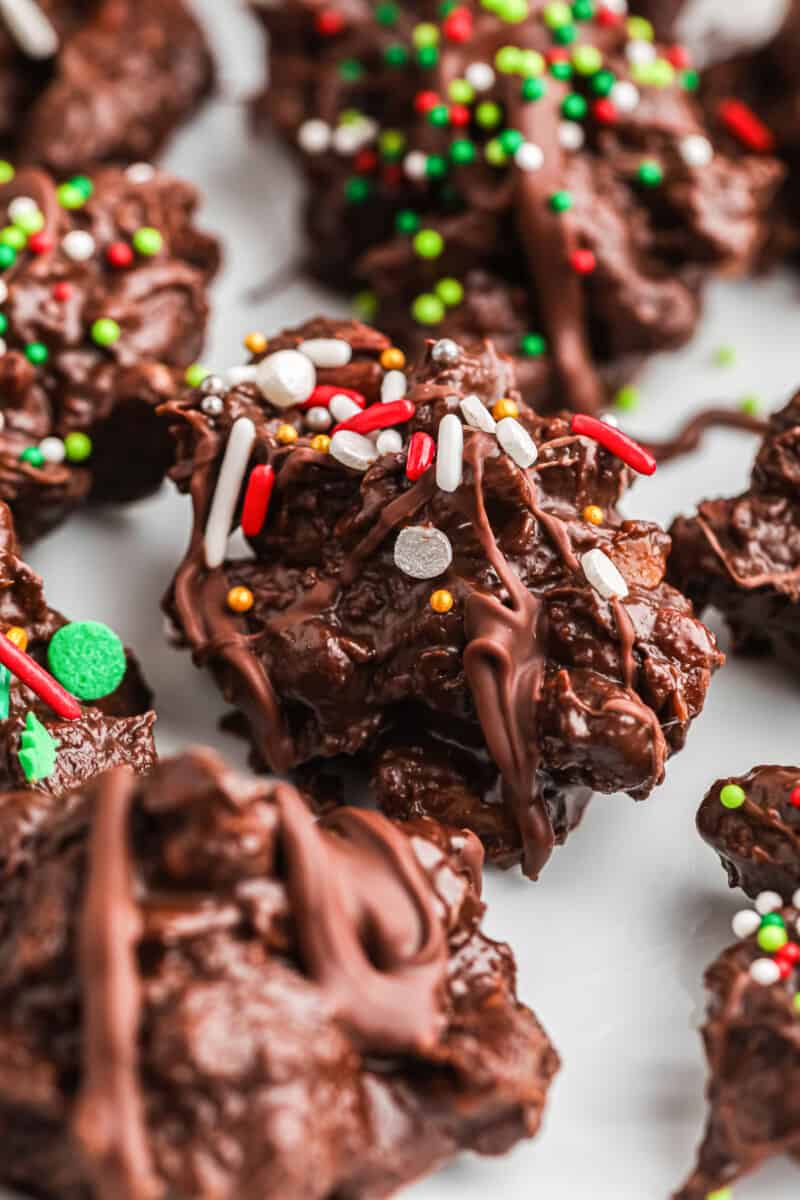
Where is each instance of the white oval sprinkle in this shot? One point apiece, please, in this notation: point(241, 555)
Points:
point(53, 450)
point(415, 165)
point(393, 387)
point(517, 442)
point(327, 352)
point(286, 378)
point(389, 441)
point(30, 28)
point(342, 408)
point(641, 53)
point(476, 413)
point(745, 923)
point(318, 419)
point(625, 95)
point(244, 374)
point(570, 135)
point(22, 206)
point(696, 150)
point(767, 902)
point(314, 136)
point(226, 494)
point(353, 450)
point(529, 157)
point(78, 244)
point(603, 575)
point(212, 406)
point(480, 75)
point(450, 453)
point(765, 971)
point(140, 172)
point(422, 552)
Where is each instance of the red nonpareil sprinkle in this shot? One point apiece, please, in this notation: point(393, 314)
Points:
point(631, 453)
point(425, 101)
point(605, 111)
point(119, 254)
point(329, 22)
point(743, 123)
point(679, 56)
point(256, 500)
point(40, 243)
point(556, 54)
point(365, 161)
point(420, 456)
point(457, 25)
point(790, 952)
point(794, 797)
point(324, 392)
point(583, 262)
point(607, 16)
point(378, 416)
point(784, 966)
point(459, 115)
point(28, 671)
point(62, 291)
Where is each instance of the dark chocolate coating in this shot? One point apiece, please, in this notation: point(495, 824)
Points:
point(503, 242)
point(126, 73)
point(205, 994)
point(742, 556)
point(109, 392)
point(501, 714)
point(751, 1042)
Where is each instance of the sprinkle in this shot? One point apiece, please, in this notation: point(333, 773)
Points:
point(33, 456)
point(593, 514)
point(256, 342)
point(28, 671)
point(393, 359)
point(212, 406)
point(77, 447)
point(641, 53)
point(18, 636)
point(476, 413)
point(750, 405)
point(583, 262)
point(323, 393)
point(745, 923)
point(796, 899)
point(571, 135)
point(240, 599)
point(394, 386)
point(378, 416)
point(314, 136)
point(446, 352)
point(223, 505)
point(88, 659)
point(625, 96)
point(480, 76)
point(141, 172)
point(504, 408)
point(617, 442)
point(626, 398)
point(533, 345)
point(148, 241)
point(37, 752)
point(286, 434)
point(441, 601)
point(20, 207)
point(517, 442)
point(427, 309)
point(794, 797)
point(319, 419)
point(732, 796)
point(286, 378)
point(78, 245)
point(696, 150)
point(37, 353)
point(724, 356)
point(30, 27)
point(237, 375)
point(342, 408)
point(353, 450)
point(257, 499)
point(743, 123)
point(389, 441)
point(529, 157)
point(321, 443)
point(602, 574)
point(650, 173)
point(422, 552)
point(765, 971)
point(450, 453)
point(560, 202)
point(105, 332)
point(428, 243)
point(196, 374)
point(119, 254)
point(772, 938)
point(767, 902)
point(327, 352)
point(421, 453)
point(415, 165)
point(52, 450)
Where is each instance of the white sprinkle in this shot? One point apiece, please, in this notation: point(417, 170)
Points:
point(745, 922)
point(603, 575)
point(212, 406)
point(342, 408)
point(352, 137)
point(415, 165)
point(53, 449)
point(529, 157)
point(245, 374)
point(314, 136)
point(223, 505)
point(2, 421)
point(767, 902)
point(389, 441)
point(625, 95)
point(640, 53)
point(31, 29)
point(450, 453)
point(318, 418)
point(480, 75)
point(3, 349)
point(476, 413)
point(696, 150)
point(140, 172)
point(517, 442)
point(353, 450)
point(3, 290)
point(446, 352)
point(327, 352)
point(393, 386)
point(617, 6)
point(765, 971)
point(796, 899)
point(570, 135)
point(422, 552)
point(286, 378)
point(79, 245)
point(22, 206)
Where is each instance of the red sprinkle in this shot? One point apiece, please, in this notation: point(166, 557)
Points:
point(784, 966)
point(583, 262)
point(119, 254)
point(40, 243)
point(790, 952)
point(28, 671)
point(329, 22)
point(392, 175)
point(324, 392)
point(459, 115)
point(743, 123)
point(607, 16)
point(457, 25)
point(631, 453)
point(378, 416)
point(794, 797)
point(420, 456)
point(679, 56)
point(425, 101)
point(556, 54)
point(365, 161)
point(256, 500)
point(62, 291)
point(605, 111)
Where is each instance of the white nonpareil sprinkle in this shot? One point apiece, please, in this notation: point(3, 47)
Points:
point(53, 450)
point(78, 244)
point(318, 419)
point(603, 575)
point(745, 923)
point(620, 7)
point(476, 413)
point(212, 406)
point(223, 505)
point(767, 902)
point(3, 291)
point(354, 136)
point(517, 442)
point(570, 135)
point(450, 453)
point(641, 53)
point(30, 28)
point(389, 441)
point(286, 378)
point(796, 899)
point(22, 206)
point(393, 387)
point(696, 150)
point(422, 552)
point(624, 95)
point(314, 136)
point(765, 971)
point(480, 75)
point(342, 408)
point(327, 352)
point(415, 165)
point(353, 450)
point(3, 350)
point(141, 172)
point(529, 157)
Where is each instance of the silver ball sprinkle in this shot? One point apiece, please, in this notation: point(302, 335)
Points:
point(446, 352)
point(212, 383)
point(212, 406)
point(318, 419)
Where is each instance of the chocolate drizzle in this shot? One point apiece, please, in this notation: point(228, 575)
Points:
point(690, 435)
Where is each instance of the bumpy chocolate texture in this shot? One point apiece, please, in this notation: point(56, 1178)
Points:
point(751, 1041)
point(500, 712)
point(205, 993)
point(90, 347)
point(113, 731)
point(551, 188)
point(109, 84)
point(742, 556)
point(758, 841)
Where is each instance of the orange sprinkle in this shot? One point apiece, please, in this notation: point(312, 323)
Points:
point(240, 599)
point(593, 514)
point(256, 343)
point(287, 434)
point(393, 359)
point(504, 408)
point(442, 601)
point(18, 636)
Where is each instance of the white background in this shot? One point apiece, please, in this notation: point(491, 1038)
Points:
point(613, 942)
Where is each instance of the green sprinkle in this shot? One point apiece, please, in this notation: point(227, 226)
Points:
point(70, 196)
point(392, 143)
point(724, 356)
point(495, 154)
point(365, 305)
point(83, 184)
point(772, 938)
point(37, 752)
point(512, 11)
point(33, 456)
point(650, 173)
point(583, 10)
point(732, 796)
point(462, 151)
point(574, 107)
point(425, 34)
point(508, 60)
point(660, 73)
point(87, 658)
point(436, 166)
point(565, 35)
point(533, 89)
point(587, 60)
point(690, 80)
point(148, 241)
point(12, 236)
point(751, 405)
point(37, 353)
point(7, 172)
point(461, 92)
point(8, 256)
point(627, 398)
point(387, 14)
point(195, 374)
point(428, 309)
point(30, 222)
point(639, 29)
point(533, 345)
point(439, 115)
point(555, 15)
point(511, 140)
point(602, 83)
point(406, 221)
point(351, 70)
point(560, 201)
point(428, 243)
point(428, 56)
point(395, 56)
point(723, 1193)
point(450, 292)
point(488, 114)
point(561, 70)
point(5, 692)
point(105, 332)
point(77, 447)
point(773, 918)
point(796, 1003)
point(3, 323)
point(357, 189)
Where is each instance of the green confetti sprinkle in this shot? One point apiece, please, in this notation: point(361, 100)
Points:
point(87, 658)
point(37, 753)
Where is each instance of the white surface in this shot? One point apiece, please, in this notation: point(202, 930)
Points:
point(612, 943)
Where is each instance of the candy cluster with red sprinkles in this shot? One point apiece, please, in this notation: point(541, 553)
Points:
point(777, 936)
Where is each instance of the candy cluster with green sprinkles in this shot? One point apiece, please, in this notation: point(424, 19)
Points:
point(780, 951)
